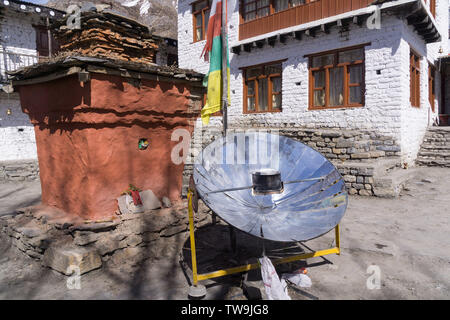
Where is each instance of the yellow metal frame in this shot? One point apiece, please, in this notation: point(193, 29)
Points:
point(220, 273)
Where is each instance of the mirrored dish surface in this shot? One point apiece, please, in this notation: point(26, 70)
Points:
point(313, 200)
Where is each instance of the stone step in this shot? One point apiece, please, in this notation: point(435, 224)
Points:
point(433, 162)
point(427, 147)
point(439, 154)
point(445, 130)
point(392, 183)
point(369, 167)
point(438, 132)
point(441, 140)
point(435, 149)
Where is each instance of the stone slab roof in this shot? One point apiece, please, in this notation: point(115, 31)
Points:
point(62, 66)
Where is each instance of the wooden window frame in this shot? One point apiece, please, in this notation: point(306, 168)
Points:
point(433, 7)
point(432, 86)
point(270, 92)
point(414, 81)
point(346, 80)
point(194, 19)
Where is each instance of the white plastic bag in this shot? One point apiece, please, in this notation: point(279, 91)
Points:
point(275, 289)
point(299, 279)
point(133, 208)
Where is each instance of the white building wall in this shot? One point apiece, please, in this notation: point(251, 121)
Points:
point(17, 36)
point(414, 121)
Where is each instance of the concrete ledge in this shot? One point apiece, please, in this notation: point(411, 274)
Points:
point(393, 182)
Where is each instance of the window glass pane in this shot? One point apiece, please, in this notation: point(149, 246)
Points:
point(276, 101)
point(207, 19)
point(262, 95)
point(251, 103)
point(280, 5)
point(250, 7)
point(351, 55)
point(262, 3)
point(319, 79)
point(355, 95)
point(200, 5)
point(263, 8)
point(356, 74)
point(319, 98)
point(253, 72)
point(263, 12)
point(276, 85)
point(198, 19)
point(250, 16)
point(251, 95)
point(295, 3)
point(251, 88)
point(321, 61)
point(199, 34)
point(336, 86)
point(417, 89)
point(273, 69)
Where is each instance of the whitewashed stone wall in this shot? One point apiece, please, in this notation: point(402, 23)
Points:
point(162, 56)
point(17, 139)
point(387, 108)
point(447, 94)
point(17, 35)
point(416, 120)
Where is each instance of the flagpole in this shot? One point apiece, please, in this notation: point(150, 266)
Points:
point(224, 68)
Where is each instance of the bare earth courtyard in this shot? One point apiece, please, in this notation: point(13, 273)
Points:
point(407, 239)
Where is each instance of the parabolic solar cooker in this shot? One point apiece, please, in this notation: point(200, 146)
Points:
point(271, 187)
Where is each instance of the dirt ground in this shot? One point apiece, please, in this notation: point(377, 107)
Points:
point(406, 239)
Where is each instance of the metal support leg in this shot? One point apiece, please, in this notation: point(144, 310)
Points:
point(195, 291)
point(200, 291)
point(338, 239)
point(191, 235)
point(263, 242)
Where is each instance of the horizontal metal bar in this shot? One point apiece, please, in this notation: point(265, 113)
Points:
point(250, 187)
point(19, 54)
point(232, 189)
point(225, 272)
point(305, 180)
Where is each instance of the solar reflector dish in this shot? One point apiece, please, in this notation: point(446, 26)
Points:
point(313, 199)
